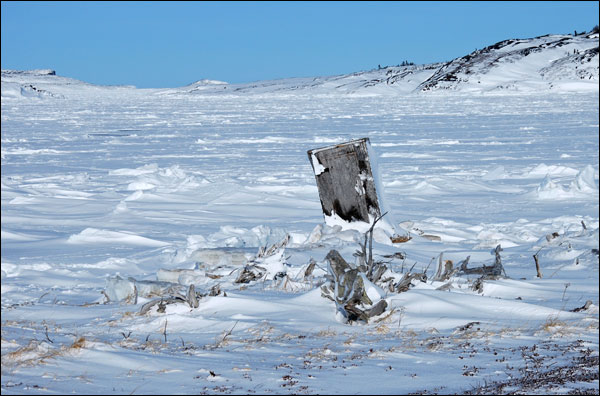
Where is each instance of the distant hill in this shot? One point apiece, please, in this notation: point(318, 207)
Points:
point(545, 63)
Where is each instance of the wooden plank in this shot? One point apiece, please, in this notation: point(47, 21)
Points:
point(345, 181)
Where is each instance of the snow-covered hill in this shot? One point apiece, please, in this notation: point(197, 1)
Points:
point(44, 83)
point(547, 62)
point(551, 62)
point(393, 79)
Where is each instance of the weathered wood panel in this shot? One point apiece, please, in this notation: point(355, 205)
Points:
point(345, 180)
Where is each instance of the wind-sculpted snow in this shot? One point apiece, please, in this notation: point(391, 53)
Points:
point(116, 201)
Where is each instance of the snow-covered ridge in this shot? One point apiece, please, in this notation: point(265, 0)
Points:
point(209, 82)
point(45, 83)
point(34, 72)
point(545, 63)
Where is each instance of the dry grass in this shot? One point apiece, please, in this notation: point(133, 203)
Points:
point(387, 318)
point(24, 356)
point(327, 333)
point(79, 343)
point(382, 329)
point(556, 327)
point(350, 340)
point(36, 352)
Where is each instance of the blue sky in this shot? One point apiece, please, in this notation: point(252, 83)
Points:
point(170, 44)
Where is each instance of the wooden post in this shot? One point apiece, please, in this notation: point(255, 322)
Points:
point(345, 181)
point(537, 265)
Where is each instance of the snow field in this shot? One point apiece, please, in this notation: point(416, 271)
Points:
point(156, 186)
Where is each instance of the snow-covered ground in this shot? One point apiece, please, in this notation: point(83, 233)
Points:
point(106, 190)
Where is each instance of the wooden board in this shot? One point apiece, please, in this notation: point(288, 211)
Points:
point(345, 180)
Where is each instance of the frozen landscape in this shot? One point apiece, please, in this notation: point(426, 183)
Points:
point(171, 241)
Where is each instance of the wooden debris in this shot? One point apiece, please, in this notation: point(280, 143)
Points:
point(464, 263)
point(161, 304)
point(366, 258)
point(397, 255)
point(406, 281)
point(253, 271)
point(311, 267)
point(400, 238)
point(493, 270)
point(191, 297)
point(377, 309)
point(337, 263)
point(216, 290)
point(250, 273)
point(266, 252)
point(445, 270)
point(378, 273)
point(585, 307)
point(467, 326)
point(347, 290)
point(478, 284)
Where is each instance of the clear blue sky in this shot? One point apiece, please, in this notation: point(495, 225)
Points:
point(170, 44)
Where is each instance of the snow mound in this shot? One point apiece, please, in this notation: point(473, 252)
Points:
point(543, 170)
point(583, 187)
point(151, 177)
point(97, 236)
point(495, 174)
point(585, 181)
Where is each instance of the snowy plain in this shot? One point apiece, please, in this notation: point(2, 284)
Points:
point(106, 188)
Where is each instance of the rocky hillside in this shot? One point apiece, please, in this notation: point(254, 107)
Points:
point(543, 62)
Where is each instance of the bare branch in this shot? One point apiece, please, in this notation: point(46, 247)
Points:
point(47, 337)
point(227, 334)
point(165, 331)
